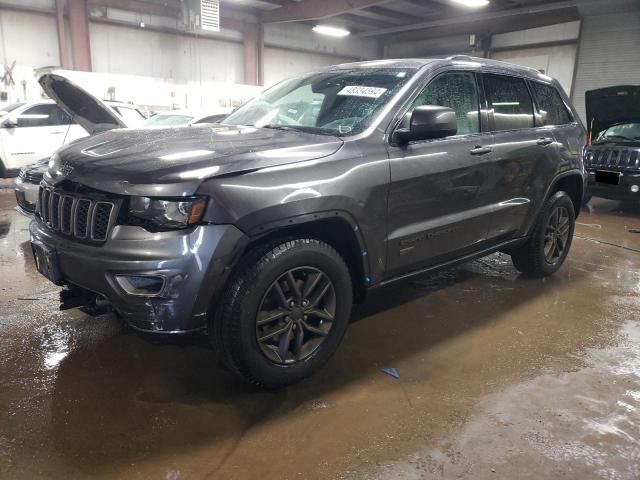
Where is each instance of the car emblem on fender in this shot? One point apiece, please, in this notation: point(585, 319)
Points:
point(65, 170)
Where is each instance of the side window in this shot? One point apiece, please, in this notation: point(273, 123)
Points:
point(550, 102)
point(458, 91)
point(510, 102)
point(46, 115)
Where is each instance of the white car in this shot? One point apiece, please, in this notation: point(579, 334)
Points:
point(35, 130)
point(181, 118)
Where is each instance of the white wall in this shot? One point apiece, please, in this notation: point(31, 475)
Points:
point(281, 63)
point(301, 37)
point(557, 62)
point(29, 39)
point(124, 50)
point(562, 32)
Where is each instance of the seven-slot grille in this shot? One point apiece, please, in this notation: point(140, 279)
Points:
point(617, 158)
point(76, 215)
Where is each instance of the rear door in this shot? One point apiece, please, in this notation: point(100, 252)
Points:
point(522, 154)
point(569, 135)
point(438, 191)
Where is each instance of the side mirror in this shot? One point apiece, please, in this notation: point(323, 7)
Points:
point(428, 122)
point(9, 123)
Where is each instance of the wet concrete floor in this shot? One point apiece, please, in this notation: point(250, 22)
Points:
point(500, 377)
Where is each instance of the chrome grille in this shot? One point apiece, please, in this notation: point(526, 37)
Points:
point(77, 215)
point(616, 158)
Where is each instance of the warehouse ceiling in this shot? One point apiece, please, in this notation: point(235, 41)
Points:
point(392, 21)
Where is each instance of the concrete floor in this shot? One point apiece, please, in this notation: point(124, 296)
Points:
point(500, 377)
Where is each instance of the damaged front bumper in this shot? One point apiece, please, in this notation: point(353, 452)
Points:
point(186, 271)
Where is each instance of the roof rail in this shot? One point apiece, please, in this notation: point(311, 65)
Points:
point(460, 57)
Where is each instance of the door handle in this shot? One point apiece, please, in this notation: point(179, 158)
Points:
point(479, 150)
point(545, 141)
point(56, 133)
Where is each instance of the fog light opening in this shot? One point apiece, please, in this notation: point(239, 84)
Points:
point(635, 188)
point(142, 285)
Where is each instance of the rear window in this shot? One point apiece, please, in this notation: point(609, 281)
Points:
point(509, 101)
point(550, 102)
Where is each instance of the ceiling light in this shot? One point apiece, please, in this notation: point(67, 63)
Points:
point(472, 3)
point(331, 31)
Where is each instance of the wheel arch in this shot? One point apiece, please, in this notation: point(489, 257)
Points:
point(573, 183)
point(336, 228)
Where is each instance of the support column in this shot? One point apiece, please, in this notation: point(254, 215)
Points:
point(79, 28)
point(62, 35)
point(261, 54)
point(251, 39)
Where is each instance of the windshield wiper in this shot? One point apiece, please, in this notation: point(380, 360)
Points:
point(277, 127)
point(301, 128)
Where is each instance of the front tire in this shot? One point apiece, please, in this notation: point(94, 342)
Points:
point(284, 312)
point(547, 248)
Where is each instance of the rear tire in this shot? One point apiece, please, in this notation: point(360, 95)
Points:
point(546, 250)
point(284, 312)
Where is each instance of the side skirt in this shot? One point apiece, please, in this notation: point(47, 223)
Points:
point(452, 263)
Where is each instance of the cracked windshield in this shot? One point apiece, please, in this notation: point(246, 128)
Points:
point(339, 102)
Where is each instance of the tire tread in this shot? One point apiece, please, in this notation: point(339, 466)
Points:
point(226, 330)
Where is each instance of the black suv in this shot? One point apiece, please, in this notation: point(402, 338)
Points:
point(613, 156)
point(265, 229)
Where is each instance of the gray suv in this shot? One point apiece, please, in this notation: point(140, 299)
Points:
point(264, 230)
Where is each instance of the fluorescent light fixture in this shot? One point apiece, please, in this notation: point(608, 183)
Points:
point(472, 3)
point(331, 31)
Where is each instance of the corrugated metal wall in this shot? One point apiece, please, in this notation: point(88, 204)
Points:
point(609, 54)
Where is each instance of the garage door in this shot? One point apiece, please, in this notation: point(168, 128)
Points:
point(609, 55)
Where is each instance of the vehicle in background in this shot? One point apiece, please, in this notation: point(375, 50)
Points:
point(35, 130)
point(181, 118)
point(10, 108)
point(264, 229)
point(30, 176)
point(113, 115)
point(612, 159)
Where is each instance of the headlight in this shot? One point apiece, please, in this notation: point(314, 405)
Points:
point(588, 157)
point(168, 213)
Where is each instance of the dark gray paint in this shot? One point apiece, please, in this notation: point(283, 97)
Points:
point(410, 207)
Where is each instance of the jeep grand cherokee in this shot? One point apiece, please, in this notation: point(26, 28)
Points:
point(264, 230)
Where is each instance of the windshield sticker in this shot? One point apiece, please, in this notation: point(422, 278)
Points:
point(360, 91)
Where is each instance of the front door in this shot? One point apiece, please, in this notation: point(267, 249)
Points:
point(438, 198)
point(37, 133)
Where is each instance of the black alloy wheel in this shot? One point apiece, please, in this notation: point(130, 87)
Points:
point(296, 315)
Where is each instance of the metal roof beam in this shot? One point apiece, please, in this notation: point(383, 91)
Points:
point(386, 16)
point(315, 9)
point(476, 17)
point(149, 8)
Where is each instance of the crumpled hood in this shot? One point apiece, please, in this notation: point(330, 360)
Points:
point(611, 105)
point(174, 162)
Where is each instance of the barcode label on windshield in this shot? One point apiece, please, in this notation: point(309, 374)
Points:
point(360, 91)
